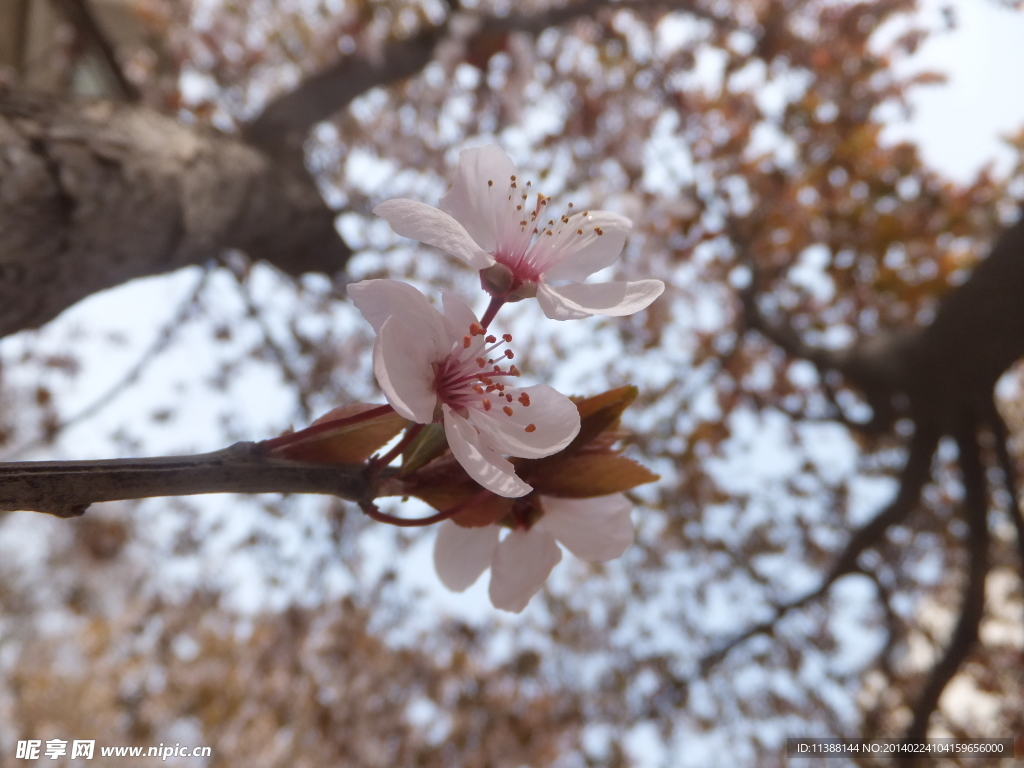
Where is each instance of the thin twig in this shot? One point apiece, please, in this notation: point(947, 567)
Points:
point(276, 350)
point(915, 474)
point(324, 93)
point(163, 338)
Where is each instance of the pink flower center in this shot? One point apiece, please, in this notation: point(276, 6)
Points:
point(528, 246)
point(473, 379)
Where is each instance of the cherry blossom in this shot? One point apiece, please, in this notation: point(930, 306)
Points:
point(436, 367)
point(595, 530)
point(486, 221)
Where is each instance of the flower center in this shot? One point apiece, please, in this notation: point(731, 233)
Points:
point(527, 245)
point(471, 376)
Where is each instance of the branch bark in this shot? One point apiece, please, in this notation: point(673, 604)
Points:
point(972, 604)
point(916, 472)
point(93, 194)
point(289, 117)
point(68, 488)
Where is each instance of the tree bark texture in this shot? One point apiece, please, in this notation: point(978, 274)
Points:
point(93, 194)
point(68, 488)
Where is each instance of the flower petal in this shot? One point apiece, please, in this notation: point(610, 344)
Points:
point(481, 207)
point(402, 365)
point(576, 300)
point(429, 225)
point(462, 554)
point(378, 300)
point(521, 565)
point(555, 419)
point(481, 462)
point(575, 256)
point(594, 530)
point(458, 317)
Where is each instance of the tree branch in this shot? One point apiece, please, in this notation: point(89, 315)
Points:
point(99, 193)
point(286, 120)
point(973, 601)
point(67, 488)
point(916, 473)
point(1001, 435)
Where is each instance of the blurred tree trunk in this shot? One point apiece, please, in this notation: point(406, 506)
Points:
point(93, 194)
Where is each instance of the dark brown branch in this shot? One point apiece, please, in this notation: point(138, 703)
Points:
point(878, 366)
point(286, 120)
point(893, 623)
point(916, 473)
point(977, 334)
point(1001, 435)
point(973, 601)
point(67, 488)
point(535, 23)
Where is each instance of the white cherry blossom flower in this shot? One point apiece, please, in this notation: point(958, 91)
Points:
point(444, 367)
point(595, 530)
point(486, 221)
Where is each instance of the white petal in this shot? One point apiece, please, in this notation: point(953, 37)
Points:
point(554, 415)
point(402, 365)
point(429, 225)
point(481, 462)
point(576, 300)
point(521, 565)
point(462, 554)
point(458, 317)
point(594, 530)
point(575, 256)
point(378, 300)
point(479, 206)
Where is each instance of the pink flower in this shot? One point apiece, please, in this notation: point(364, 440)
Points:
point(595, 530)
point(444, 367)
point(485, 220)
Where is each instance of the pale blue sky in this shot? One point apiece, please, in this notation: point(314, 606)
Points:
point(958, 124)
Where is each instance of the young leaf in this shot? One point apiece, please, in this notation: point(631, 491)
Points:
point(353, 442)
point(582, 477)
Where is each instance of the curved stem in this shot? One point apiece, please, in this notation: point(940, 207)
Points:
point(372, 512)
point(492, 310)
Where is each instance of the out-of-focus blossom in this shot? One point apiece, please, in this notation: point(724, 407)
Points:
point(594, 529)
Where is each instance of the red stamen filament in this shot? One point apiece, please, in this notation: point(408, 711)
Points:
point(457, 381)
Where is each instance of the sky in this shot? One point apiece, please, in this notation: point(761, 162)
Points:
point(958, 125)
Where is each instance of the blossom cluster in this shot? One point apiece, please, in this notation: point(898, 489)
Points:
point(454, 379)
